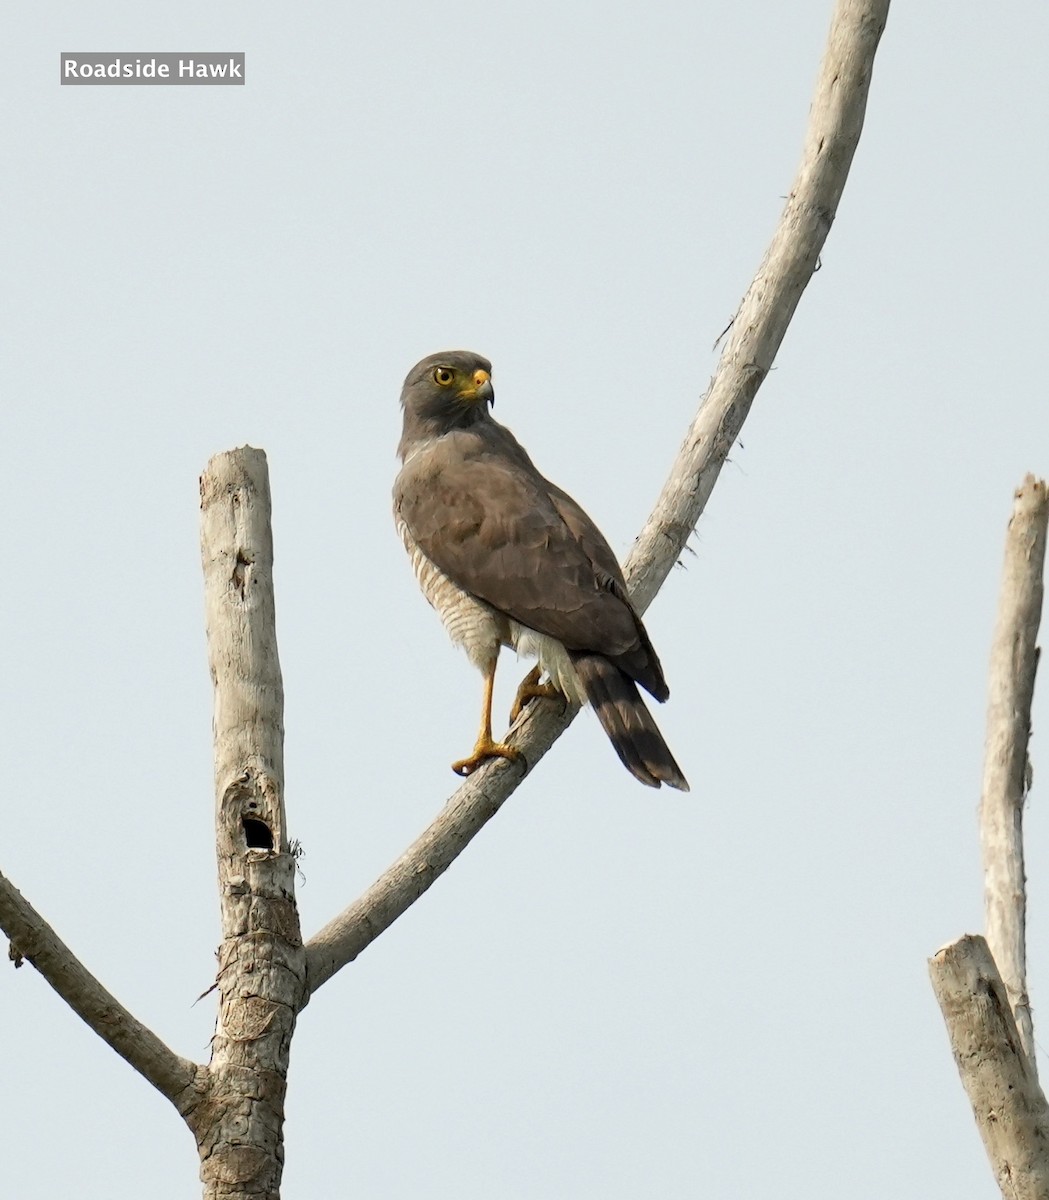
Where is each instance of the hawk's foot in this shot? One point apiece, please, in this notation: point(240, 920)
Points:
point(531, 689)
point(483, 751)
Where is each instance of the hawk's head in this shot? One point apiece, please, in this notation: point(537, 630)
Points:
point(446, 391)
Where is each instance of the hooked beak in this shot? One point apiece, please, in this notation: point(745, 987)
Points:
point(480, 389)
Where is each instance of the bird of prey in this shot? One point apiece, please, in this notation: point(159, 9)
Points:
point(508, 559)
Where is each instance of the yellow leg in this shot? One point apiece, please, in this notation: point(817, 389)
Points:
point(485, 748)
point(530, 689)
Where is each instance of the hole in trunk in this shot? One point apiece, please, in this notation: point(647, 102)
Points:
point(257, 834)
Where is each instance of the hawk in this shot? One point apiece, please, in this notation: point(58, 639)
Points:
point(508, 559)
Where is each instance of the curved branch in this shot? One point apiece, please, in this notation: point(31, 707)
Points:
point(760, 323)
point(835, 122)
point(33, 939)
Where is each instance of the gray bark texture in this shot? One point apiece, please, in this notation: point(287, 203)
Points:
point(1008, 1104)
point(1006, 770)
point(235, 1105)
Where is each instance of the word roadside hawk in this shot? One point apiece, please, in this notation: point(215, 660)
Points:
point(508, 559)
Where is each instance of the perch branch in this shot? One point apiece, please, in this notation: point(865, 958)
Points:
point(34, 940)
point(835, 122)
point(1014, 662)
point(997, 1074)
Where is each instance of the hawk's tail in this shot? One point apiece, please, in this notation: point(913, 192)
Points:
point(627, 721)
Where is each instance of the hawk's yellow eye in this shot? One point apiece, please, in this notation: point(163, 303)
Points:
point(443, 375)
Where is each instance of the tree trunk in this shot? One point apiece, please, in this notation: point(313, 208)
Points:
point(262, 964)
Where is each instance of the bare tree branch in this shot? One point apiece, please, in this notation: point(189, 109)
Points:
point(431, 854)
point(988, 1013)
point(997, 1073)
point(758, 328)
point(835, 123)
point(33, 939)
point(1014, 663)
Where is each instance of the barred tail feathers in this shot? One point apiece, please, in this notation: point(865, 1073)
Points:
point(628, 723)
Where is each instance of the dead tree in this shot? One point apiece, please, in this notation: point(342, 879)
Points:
point(981, 982)
point(235, 1104)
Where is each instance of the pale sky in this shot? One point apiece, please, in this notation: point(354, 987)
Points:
point(613, 992)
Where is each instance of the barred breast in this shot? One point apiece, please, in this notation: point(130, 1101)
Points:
point(481, 630)
point(470, 623)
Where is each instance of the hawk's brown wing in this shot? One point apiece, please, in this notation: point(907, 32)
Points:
point(492, 524)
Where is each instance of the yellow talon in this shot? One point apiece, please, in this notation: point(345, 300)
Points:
point(483, 751)
point(532, 689)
